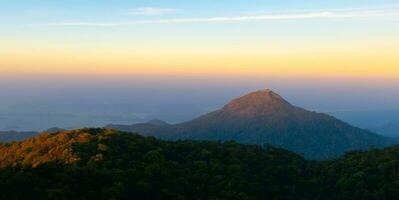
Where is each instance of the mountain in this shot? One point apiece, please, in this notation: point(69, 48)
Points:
point(264, 117)
point(150, 126)
point(108, 164)
point(157, 122)
point(9, 136)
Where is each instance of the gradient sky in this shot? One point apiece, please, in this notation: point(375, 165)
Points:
point(338, 38)
point(74, 63)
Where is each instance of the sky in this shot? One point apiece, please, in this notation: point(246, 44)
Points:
point(354, 38)
point(128, 61)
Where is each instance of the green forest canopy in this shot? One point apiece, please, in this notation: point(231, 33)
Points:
point(107, 164)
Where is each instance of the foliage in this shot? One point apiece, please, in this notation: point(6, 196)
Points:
point(106, 164)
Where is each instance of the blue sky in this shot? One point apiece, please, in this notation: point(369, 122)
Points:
point(47, 11)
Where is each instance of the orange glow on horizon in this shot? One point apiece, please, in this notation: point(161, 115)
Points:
point(365, 60)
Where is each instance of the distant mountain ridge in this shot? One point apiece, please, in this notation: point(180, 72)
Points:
point(264, 117)
point(15, 136)
point(10, 136)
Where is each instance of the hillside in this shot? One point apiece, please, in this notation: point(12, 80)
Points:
point(42, 149)
point(107, 164)
point(264, 117)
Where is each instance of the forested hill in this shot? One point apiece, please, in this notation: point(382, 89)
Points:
point(107, 164)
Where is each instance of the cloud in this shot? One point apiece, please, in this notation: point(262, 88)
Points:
point(245, 18)
point(152, 11)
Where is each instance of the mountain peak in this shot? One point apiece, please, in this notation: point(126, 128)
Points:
point(261, 102)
